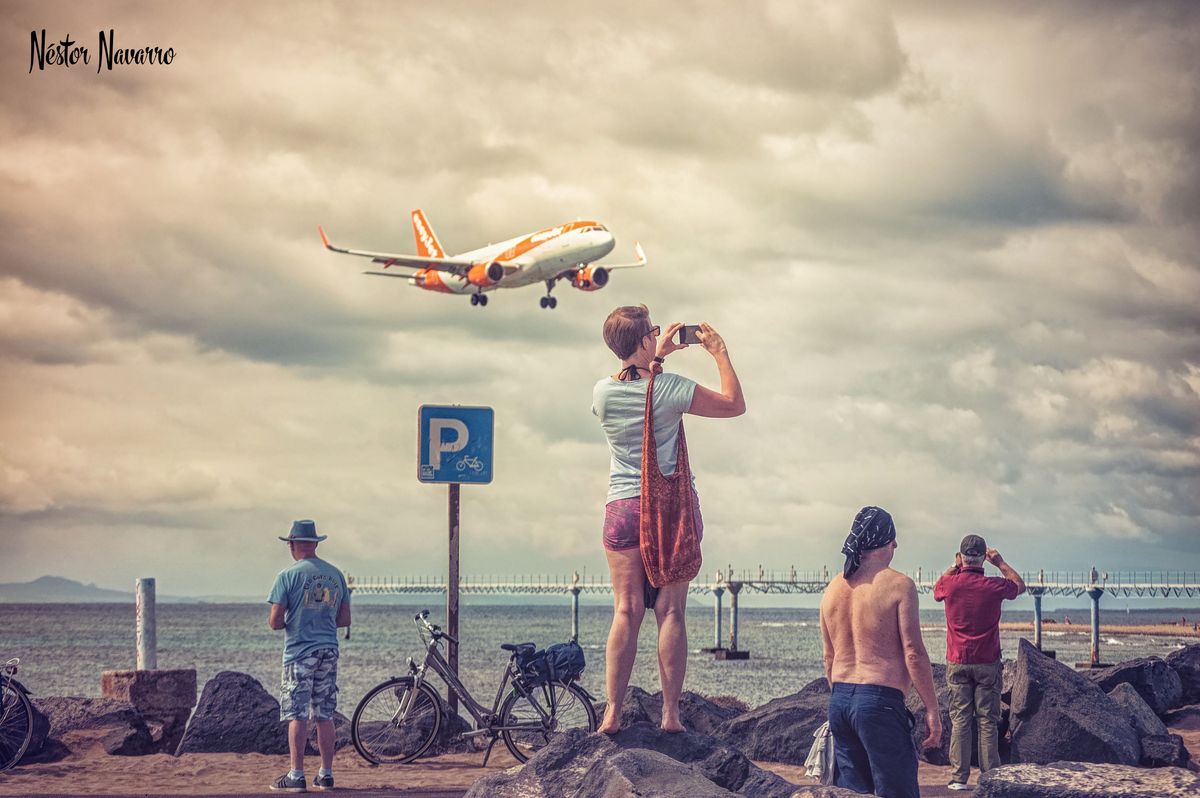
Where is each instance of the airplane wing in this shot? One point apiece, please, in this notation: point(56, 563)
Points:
point(396, 274)
point(641, 260)
point(458, 266)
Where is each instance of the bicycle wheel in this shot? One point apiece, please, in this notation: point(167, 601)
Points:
point(16, 725)
point(378, 736)
point(567, 706)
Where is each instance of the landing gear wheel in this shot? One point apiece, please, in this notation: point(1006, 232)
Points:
point(474, 299)
point(545, 301)
point(552, 302)
point(483, 300)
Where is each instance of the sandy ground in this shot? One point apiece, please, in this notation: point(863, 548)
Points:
point(90, 771)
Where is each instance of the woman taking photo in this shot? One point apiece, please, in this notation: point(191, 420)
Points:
point(619, 401)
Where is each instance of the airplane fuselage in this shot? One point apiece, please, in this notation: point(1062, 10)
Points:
point(536, 258)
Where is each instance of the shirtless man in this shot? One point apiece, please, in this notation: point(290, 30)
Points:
point(873, 653)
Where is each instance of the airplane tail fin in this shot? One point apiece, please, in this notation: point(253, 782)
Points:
point(427, 244)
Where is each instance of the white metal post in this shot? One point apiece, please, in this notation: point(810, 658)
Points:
point(147, 634)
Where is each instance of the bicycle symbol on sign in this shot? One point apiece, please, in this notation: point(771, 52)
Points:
point(469, 461)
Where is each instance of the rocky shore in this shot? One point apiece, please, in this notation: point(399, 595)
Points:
point(1065, 733)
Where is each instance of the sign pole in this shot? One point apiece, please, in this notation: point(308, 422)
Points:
point(454, 447)
point(452, 596)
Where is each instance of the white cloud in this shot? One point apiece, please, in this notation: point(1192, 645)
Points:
point(951, 248)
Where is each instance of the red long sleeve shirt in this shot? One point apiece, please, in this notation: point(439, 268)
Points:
point(973, 614)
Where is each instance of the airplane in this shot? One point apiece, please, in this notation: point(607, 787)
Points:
point(566, 252)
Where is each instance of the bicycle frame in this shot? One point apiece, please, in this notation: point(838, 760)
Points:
point(485, 720)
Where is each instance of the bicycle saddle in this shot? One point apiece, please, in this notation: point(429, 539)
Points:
point(520, 648)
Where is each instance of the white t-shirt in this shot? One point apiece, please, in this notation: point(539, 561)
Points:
point(621, 407)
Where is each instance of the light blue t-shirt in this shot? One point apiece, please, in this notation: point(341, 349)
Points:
point(621, 407)
point(311, 591)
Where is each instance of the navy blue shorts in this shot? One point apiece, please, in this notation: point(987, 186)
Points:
point(873, 749)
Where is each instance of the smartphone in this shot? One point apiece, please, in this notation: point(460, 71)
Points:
point(687, 334)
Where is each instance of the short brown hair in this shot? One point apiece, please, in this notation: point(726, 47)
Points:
point(625, 328)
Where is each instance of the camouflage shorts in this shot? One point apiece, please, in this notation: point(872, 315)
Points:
point(308, 689)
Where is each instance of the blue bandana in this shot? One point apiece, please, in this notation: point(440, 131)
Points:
point(872, 529)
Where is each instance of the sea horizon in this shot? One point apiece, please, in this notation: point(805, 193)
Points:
point(65, 647)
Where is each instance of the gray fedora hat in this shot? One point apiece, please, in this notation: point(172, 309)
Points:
point(303, 531)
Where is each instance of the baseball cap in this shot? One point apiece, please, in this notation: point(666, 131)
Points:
point(973, 545)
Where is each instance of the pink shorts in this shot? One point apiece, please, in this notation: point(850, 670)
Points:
point(623, 523)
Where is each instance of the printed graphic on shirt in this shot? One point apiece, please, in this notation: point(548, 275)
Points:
point(322, 592)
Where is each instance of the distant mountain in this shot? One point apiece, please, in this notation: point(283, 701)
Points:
point(56, 589)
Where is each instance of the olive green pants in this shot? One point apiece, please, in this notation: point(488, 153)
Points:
point(974, 696)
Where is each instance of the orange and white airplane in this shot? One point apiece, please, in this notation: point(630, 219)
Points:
point(566, 252)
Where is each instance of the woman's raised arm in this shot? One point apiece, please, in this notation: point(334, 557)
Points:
point(729, 402)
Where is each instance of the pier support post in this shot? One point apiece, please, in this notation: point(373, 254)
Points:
point(147, 631)
point(733, 652)
point(575, 590)
point(717, 593)
point(734, 589)
point(1037, 618)
point(1095, 594)
point(717, 646)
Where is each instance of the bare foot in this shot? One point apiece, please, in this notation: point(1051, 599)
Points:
point(609, 725)
point(672, 728)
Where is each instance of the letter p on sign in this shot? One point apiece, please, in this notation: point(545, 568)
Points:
point(439, 444)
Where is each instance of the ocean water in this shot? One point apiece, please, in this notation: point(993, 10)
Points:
point(64, 647)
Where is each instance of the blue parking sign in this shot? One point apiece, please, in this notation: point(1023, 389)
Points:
point(454, 444)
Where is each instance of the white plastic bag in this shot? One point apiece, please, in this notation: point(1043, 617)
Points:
point(819, 764)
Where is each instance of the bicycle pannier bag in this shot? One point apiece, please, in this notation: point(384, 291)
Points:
point(669, 543)
point(562, 662)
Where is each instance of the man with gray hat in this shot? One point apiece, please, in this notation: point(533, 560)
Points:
point(310, 599)
point(973, 669)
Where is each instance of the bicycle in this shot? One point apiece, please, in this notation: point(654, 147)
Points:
point(397, 721)
point(16, 716)
point(471, 462)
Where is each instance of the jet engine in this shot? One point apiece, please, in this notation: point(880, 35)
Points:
point(590, 279)
point(485, 274)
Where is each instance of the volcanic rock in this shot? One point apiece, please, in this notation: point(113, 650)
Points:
point(782, 729)
point(724, 766)
point(1141, 716)
point(1186, 663)
point(640, 760)
point(697, 713)
point(1086, 780)
point(68, 713)
point(1161, 750)
point(40, 741)
point(1059, 714)
point(564, 766)
point(1156, 682)
point(235, 715)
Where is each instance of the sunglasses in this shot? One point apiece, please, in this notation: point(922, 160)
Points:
point(655, 330)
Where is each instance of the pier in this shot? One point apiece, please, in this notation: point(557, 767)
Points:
point(1092, 583)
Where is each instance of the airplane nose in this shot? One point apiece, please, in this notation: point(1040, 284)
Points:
point(606, 241)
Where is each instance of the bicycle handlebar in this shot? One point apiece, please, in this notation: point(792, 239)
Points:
point(435, 631)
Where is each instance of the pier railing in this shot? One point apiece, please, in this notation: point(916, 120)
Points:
point(1092, 583)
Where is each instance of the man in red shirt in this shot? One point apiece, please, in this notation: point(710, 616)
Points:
point(973, 669)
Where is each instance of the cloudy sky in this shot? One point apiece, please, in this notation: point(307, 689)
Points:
point(952, 249)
